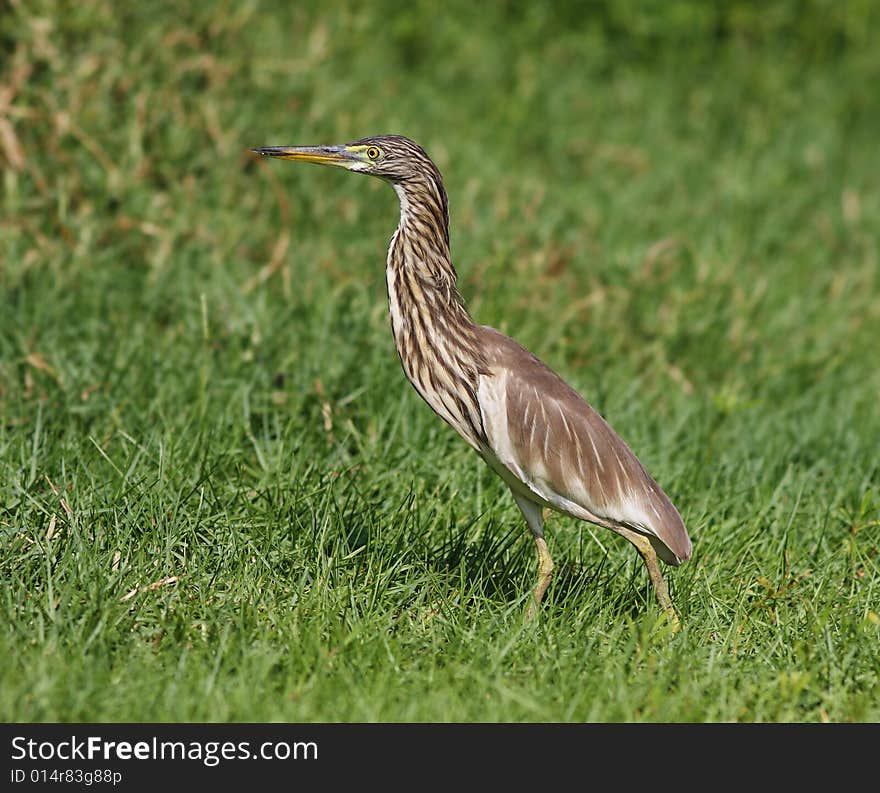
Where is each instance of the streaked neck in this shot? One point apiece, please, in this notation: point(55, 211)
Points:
point(423, 232)
point(433, 331)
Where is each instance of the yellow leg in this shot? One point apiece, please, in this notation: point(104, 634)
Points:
point(534, 515)
point(545, 572)
point(649, 557)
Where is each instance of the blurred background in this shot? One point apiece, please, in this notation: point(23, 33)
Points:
point(674, 203)
point(600, 157)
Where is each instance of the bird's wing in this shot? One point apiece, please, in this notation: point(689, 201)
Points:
point(552, 446)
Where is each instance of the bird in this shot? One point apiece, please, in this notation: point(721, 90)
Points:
point(537, 433)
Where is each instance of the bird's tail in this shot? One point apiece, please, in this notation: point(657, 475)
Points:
point(665, 528)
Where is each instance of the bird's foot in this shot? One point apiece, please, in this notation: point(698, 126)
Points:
point(668, 622)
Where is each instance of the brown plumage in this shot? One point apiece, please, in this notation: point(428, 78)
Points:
point(535, 431)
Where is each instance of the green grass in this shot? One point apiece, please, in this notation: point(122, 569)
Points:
point(219, 497)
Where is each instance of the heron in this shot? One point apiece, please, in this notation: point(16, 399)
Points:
point(551, 448)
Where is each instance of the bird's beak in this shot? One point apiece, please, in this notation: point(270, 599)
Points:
point(322, 155)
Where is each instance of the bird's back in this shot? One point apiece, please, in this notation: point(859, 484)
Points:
point(547, 443)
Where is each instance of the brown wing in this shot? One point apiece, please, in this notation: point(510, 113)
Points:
point(565, 453)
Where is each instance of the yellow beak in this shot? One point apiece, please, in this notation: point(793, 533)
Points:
point(322, 155)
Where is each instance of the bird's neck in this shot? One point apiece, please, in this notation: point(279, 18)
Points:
point(435, 336)
point(419, 256)
point(424, 227)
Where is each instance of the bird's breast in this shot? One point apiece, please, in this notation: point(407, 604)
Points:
point(431, 358)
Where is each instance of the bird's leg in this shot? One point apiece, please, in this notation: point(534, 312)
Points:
point(649, 557)
point(534, 516)
point(545, 571)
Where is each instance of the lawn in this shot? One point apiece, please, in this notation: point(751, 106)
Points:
point(220, 500)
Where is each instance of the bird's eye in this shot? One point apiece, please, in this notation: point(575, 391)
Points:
point(373, 153)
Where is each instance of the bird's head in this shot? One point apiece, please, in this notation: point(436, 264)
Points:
point(391, 157)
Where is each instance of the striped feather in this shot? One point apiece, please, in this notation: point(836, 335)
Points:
point(564, 455)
